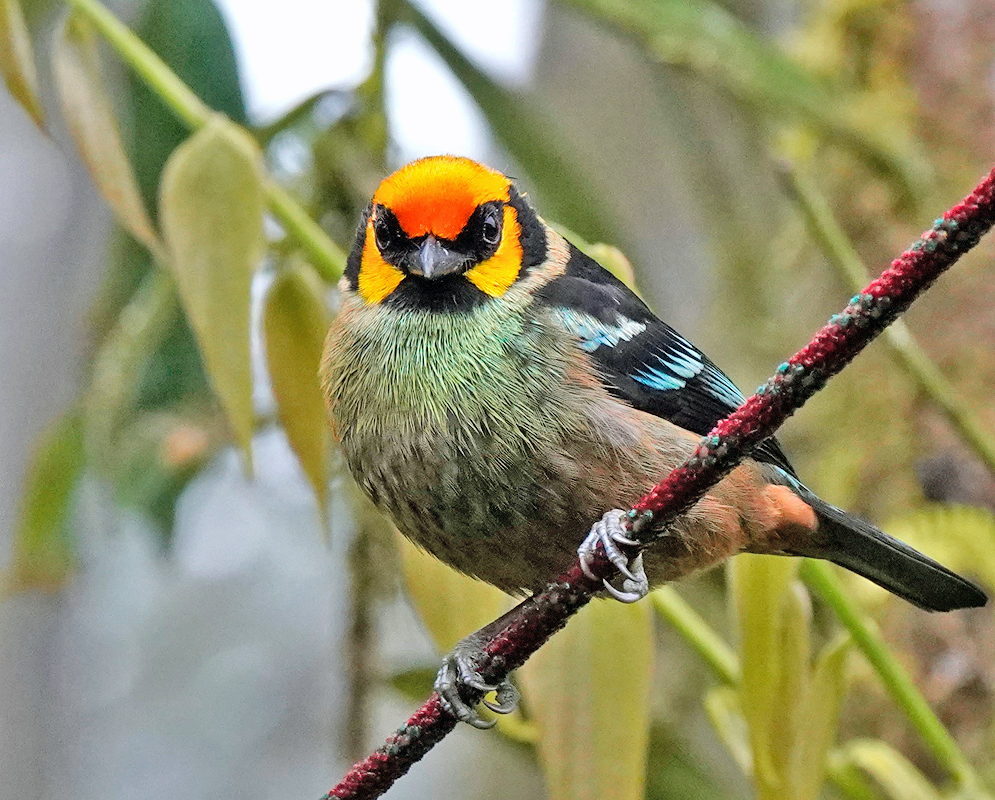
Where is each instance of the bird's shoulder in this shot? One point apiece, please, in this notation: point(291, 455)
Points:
point(640, 359)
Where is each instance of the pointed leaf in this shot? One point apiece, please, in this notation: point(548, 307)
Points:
point(17, 61)
point(890, 769)
point(87, 108)
point(795, 657)
point(820, 715)
point(211, 207)
point(760, 584)
point(588, 692)
point(296, 321)
point(726, 715)
point(43, 556)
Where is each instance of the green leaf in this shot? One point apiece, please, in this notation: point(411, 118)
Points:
point(415, 684)
point(43, 556)
point(762, 590)
point(157, 453)
point(211, 210)
point(588, 690)
point(17, 61)
point(111, 398)
point(691, 627)
point(193, 40)
point(819, 717)
point(296, 321)
point(795, 657)
point(890, 769)
point(675, 773)
point(87, 108)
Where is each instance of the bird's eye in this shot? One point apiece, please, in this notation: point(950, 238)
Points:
point(381, 227)
point(491, 228)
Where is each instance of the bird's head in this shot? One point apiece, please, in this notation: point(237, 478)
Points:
point(444, 233)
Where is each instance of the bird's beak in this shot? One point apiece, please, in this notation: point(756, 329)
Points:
point(433, 260)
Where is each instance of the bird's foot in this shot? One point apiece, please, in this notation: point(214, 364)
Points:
point(459, 684)
point(610, 531)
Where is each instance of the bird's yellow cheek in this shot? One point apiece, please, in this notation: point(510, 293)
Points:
point(497, 273)
point(377, 279)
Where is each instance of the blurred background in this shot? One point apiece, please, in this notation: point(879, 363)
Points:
point(172, 626)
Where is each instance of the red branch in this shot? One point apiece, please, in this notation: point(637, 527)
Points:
point(527, 627)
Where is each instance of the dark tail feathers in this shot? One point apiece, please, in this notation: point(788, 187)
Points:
point(862, 548)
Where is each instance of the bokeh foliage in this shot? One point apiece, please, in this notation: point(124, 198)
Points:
point(847, 94)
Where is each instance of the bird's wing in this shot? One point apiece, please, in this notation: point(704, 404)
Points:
point(642, 360)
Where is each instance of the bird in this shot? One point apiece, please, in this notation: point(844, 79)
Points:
point(498, 393)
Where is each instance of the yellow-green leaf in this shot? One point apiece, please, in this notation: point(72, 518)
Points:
point(450, 604)
point(17, 61)
point(87, 108)
point(890, 770)
point(760, 584)
point(43, 556)
point(211, 209)
point(296, 321)
point(820, 714)
point(794, 668)
point(588, 692)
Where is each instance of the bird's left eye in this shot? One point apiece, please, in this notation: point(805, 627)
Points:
point(491, 228)
point(385, 237)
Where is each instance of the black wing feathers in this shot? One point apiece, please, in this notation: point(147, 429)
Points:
point(642, 359)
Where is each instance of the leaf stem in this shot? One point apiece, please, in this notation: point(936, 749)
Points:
point(839, 250)
point(820, 578)
point(326, 256)
point(147, 65)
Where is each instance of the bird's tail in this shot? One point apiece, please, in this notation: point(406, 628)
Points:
point(862, 548)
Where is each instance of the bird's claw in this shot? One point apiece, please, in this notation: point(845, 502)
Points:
point(459, 676)
point(610, 532)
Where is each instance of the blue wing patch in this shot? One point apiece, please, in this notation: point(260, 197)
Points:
point(718, 384)
point(657, 379)
point(593, 333)
point(640, 359)
point(668, 362)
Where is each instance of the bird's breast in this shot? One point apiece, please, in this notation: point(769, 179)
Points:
point(460, 426)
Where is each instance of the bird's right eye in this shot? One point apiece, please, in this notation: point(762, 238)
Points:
point(385, 236)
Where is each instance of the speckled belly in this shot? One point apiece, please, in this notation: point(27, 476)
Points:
point(513, 517)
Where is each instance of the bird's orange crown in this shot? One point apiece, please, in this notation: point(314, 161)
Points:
point(438, 195)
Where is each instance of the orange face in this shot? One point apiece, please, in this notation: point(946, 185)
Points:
point(437, 195)
point(436, 198)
